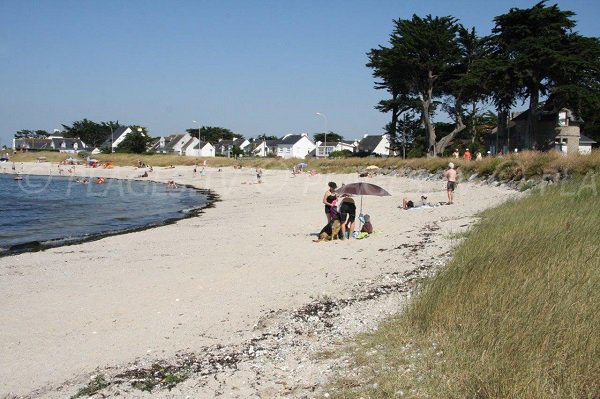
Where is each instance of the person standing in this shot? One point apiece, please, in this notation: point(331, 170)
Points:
point(259, 173)
point(328, 198)
point(450, 176)
point(347, 217)
point(478, 156)
point(455, 154)
point(467, 155)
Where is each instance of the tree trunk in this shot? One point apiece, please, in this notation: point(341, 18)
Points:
point(425, 104)
point(459, 126)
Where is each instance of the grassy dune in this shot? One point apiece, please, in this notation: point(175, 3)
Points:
point(514, 315)
point(524, 165)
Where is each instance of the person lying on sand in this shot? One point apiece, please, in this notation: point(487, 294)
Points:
point(407, 204)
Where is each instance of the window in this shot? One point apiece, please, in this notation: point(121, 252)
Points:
point(562, 118)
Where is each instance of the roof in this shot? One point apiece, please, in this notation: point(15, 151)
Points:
point(291, 139)
point(69, 143)
point(369, 143)
point(172, 140)
point(586, 140)
point(548, 115)
point(118, 132)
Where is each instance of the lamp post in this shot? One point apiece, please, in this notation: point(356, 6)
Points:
point(198, 160)
point(325, 140)
point(112, 139)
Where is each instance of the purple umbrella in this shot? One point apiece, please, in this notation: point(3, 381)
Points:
point(361, 189)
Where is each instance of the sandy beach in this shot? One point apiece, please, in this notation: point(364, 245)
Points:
point(230, 282)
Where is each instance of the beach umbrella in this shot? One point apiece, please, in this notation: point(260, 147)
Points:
point(362, 188)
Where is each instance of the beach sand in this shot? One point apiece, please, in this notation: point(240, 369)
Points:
point(227, 285)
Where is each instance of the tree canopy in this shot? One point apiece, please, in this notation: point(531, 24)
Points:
point(435, 64)
point(331, 137)
point(426, 67)
point(214, 134)
point(93, 134)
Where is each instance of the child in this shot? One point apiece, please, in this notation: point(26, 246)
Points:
point(367, 227)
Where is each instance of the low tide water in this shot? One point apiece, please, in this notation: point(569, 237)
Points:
point(45, 211)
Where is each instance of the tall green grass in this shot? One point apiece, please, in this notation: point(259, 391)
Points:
point(516, 313)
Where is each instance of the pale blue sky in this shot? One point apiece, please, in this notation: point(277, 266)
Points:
point(250, 66)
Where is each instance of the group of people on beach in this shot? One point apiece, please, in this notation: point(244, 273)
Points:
point(340, 210)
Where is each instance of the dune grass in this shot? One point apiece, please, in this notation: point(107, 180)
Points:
point(515, 167)
point(514, 314)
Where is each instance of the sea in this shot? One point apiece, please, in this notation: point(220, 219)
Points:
point(39, 212)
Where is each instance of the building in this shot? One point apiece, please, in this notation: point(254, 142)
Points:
point(295, 146)
point(61, 144)
point(555, 130)
point(265, 148)
point(225, 147)
point(375, 145)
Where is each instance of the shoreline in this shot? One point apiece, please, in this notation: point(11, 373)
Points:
point(231, 281)
point(36, 246)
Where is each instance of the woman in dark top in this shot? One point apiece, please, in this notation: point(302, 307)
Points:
point(328, 198)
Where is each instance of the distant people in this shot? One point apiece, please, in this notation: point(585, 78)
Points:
point(455, 154)
point(367, 227)
point(100, 180)
point(259, 173)
point(328, 198)
point(467, 155)
point(195, 172)
point(347, 216)
point(450, 176)
point(171, 184)
point(478, 156)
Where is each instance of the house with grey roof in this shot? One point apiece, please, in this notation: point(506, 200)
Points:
point(295, 146)
point(225, 147)
point(265, 148)
point(559, 130)
point(375, 145)
point(206, 149)
point(68, 145)
point(116, 138)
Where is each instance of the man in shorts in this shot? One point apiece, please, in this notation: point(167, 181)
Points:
point(450, 175)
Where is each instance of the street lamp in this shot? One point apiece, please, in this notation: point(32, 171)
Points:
point(112, 139)
point(198, 160)
point(325, 141)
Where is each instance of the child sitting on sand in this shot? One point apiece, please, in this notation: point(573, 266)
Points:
point(367, 227)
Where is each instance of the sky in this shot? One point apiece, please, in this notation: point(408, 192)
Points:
point(252, 66)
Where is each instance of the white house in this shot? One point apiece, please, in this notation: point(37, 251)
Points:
point(206, 149)
point(225, 147)
point(295, 146)
point(322, 151)
point(375, 145)
point(266, 147)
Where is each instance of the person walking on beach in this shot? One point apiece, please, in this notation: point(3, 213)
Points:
point(328, 198)
point(450, 176)
point(259, 173)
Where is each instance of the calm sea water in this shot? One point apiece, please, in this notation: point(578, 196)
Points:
point(55, 210)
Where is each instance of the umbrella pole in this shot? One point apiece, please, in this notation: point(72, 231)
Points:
point(359, 213)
